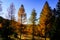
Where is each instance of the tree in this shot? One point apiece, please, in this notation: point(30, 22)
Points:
point(11, 12)
point(57, 33)
point(33, 20)
point(21, 15)
point(21, 18)
point(53, 21)
point(45, 20)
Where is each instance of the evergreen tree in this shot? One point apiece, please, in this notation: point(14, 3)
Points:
point(53, 22)
point(33, 17)
point(33, 20)
point(57, 34)
point(58, 8)
point(45, 19)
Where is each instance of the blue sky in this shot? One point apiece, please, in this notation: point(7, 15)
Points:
point(28, 5)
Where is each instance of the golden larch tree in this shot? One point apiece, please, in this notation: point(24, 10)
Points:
point(44, 20)
point(21, 19)
point(21, 15)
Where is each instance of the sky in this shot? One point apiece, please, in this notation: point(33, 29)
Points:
point(28, 5)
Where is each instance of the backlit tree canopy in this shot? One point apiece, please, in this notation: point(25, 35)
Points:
point(45, 18)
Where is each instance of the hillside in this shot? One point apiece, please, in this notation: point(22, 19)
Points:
point(10, 27)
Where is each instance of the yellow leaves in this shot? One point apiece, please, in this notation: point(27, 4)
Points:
point(45, 17)
point(43, 32)
point(29, 29)
point(21, 10)
point(0, 25)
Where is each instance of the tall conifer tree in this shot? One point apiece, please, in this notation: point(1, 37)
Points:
point(57, 34)
point(33, 21)
point(45, 19)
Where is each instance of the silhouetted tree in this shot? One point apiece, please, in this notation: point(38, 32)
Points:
point(53, 22)
point(57, 34)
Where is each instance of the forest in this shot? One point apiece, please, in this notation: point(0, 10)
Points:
point(46, 27)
